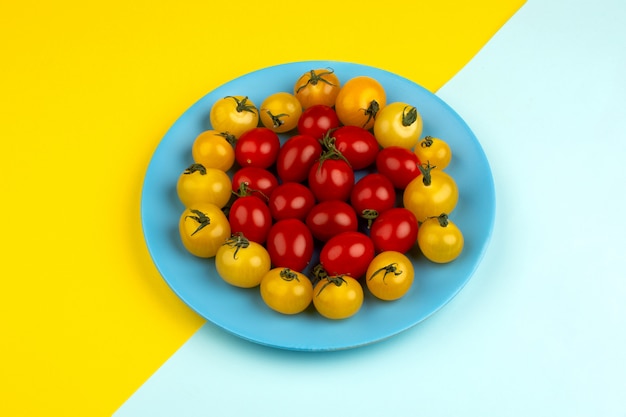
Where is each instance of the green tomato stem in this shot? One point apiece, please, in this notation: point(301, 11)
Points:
point(425, 170)
point(202, 219)
point(316, 78)
point(427, 142)
point(243, 105)
point(276, 119)
point(442, 219)
point(288, 275)
point(335, 279)
point(195, 168)
point(371, 111)
point(409, 118)
point(388, 269)
point(239, 241)
point(370, 215)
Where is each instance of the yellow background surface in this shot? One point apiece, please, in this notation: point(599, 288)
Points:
point(87, 90)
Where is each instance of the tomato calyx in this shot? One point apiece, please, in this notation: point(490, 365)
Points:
point(392, 268)
point(370, 215)
point(410, 117)
point(427, 142)
point(195, 168)
point(202, 219)
point(239, 241)
point(245, 191)
point(371, 111)
point(243, 105)
point(288, 275)
point(316, 78)
point(425, 170)
point(442, 219)
point(331, 151)
point(276, 119)
point(230, 138)
point(332, 279)
point(318, 273)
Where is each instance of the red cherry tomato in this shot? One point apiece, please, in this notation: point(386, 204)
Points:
point(250, 216)
point(331, 179)
point(290, 244)
point(394, 230)
point(257, 147)
point(296, 157)
point(357, 145)
point(259, 182)
point(317, 120)
point(329, 218)
point(372, 195)
point(291, 200)
point(348, 253)
point(398, 164)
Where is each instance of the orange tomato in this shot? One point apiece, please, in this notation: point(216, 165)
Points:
point(359, 101)
point(319, 86)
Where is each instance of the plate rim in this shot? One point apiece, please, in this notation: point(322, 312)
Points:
point(488, 232)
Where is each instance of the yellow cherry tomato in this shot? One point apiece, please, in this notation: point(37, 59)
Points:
point(434, 150)
point(198, 184)
point(390, 275)
point(280, 112)
point(286, 291)
point(203, 229)
point(241, 262)
point(359, 101)
point(338, 297)
point(234, 114)
point(319, 86)
point(398, 124)
point(430, 194)
point(214, 149)
point(439, 239)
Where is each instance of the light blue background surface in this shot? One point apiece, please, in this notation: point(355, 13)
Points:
point(540, 330)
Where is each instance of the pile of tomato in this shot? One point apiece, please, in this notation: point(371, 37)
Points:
point(333, 207)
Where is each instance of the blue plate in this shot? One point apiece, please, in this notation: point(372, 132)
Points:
point(242, 312)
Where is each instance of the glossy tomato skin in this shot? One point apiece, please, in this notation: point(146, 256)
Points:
point(319, 86)
point(259, 182)
point(296, 157)
point(359, 101)
point(348, 253)
point(390, 275)
point(331, 179)
point(394, 230)
point(431, 198)
point(250, 216)
point(399, 164)
point(357, 145)
point(398, 124)
point(286, 291)
point(317, 120)
point(257, 147)
point(372, 195)
point(291, 200)
point(280, 112)
point(329, 218)
point(214, 149)
point(338, 298)
point(242, 263)
point(234, 114)
point(203, 229)
point(440, 240)
point(434, 151)
point(290, 244)
point(198, 184)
